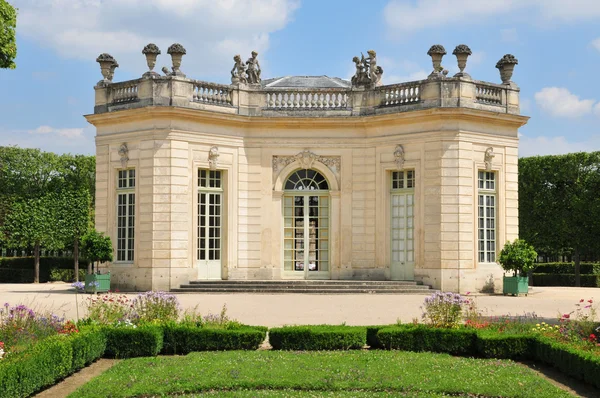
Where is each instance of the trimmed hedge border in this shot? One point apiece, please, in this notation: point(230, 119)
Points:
point(318, 337)
point(48, 361)
point(587, 280)
point(21, 269)
point(183, 339)
point(567, 268)
point(423, 338)
point(130, 342)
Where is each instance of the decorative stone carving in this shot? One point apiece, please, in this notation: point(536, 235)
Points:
point(151, 51)
point(488, 157)
point(124, 154)
point(238, 72)
point(306, 159)
point(253, 70)
point(367, 74)
point(462, 52)
point(213, 157)
point(111, 74)
point(399, 157)
point(437, 52)
point(506, 65)
point(176, 51)
point(106, 61)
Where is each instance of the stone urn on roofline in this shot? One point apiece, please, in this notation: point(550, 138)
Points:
point(462, 52)
point(176, 51)
point(436, 52)
point(107, 65)
point(151, 51)
point(506, 65)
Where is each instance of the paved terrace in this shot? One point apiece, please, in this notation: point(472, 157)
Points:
point(284, 309)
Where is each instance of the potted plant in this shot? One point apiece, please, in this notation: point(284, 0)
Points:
point(97, 248)
point(518, 257)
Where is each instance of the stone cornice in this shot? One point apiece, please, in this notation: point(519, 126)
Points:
point(364, 122)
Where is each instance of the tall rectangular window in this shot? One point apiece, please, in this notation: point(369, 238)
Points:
point(486, 216)
point(125, 214)
point(402, 221)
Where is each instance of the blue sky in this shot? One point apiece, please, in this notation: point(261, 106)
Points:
point(557, 42)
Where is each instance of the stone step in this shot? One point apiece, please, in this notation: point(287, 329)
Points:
point(304, 291)
point(307, 282)
point(298, 286)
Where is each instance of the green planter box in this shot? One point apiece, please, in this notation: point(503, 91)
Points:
point(97, 283)
point(515, 285)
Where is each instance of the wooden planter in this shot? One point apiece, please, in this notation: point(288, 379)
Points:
point(97, 283)
point(515, 285)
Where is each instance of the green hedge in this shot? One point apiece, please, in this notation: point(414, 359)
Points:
point(29, 371)
point(506, 346)
point(372, 340)
point(567, 268)
point(424, 338)
point(581, 365)
point(183, 339)
point(21, 269)
point(88, 345)
point(318, 337)
point(130, 342)
point(565, 280)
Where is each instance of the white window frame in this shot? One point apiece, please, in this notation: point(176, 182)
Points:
point(487, 222)
point(220, 177)
point(125, 245)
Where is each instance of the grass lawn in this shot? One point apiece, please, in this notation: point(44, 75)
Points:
point(318, 374)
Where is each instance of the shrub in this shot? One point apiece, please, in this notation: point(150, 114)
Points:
point(443, 309)
point(88, 345)
point(108, 309)
point(518, 257)
point(567, 268)
point(319, 337)
point(156, 307)
point(587, 280)
point(131, 341)
point(65, 275)
point(425, 338)
point(20, 269)
point(185, 338)
point(27, 372)
point(21, 326)
point(505, 346)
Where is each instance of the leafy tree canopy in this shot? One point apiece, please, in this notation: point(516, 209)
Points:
point(8, 42)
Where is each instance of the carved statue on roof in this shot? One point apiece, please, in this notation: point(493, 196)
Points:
point(238, 73)
point(253, 70)
point(367, 74)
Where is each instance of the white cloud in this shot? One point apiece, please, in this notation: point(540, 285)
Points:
point(66, 133)
point(407, 17)
point(211, 31)
point(531, 146)
point(47, 138)
point(561, 102)
point(596, 44)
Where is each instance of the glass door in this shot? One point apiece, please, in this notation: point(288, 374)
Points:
point(306, 235)
point(210, 221)
point(402, 226)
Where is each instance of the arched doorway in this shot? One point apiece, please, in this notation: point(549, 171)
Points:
point(306, 225)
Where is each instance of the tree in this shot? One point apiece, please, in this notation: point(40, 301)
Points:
point(8, 42)
point(96, 248)
point(32, 222)
point(73, 216)
point(559, 204)
point(518, 257)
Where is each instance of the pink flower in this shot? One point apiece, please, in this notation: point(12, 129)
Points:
point(566, 316)
point(590, 301)
point(587, 306)
point(581, 301)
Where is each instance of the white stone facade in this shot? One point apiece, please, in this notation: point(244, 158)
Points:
point(444, 136)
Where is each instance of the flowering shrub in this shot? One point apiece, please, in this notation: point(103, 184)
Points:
point(69, 328)
point(579, 325)
point(79, 286)
point(107, 309)
point(443, 309)
point(156, 307)
point(21, 326)
point(546, 329)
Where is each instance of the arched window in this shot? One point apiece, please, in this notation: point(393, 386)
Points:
point(306, 180)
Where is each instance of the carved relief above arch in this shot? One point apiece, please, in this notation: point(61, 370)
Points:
point(283, 166)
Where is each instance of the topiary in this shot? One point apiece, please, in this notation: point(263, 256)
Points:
point(518, 257)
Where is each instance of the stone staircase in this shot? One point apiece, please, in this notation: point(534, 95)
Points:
point(304, 286)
